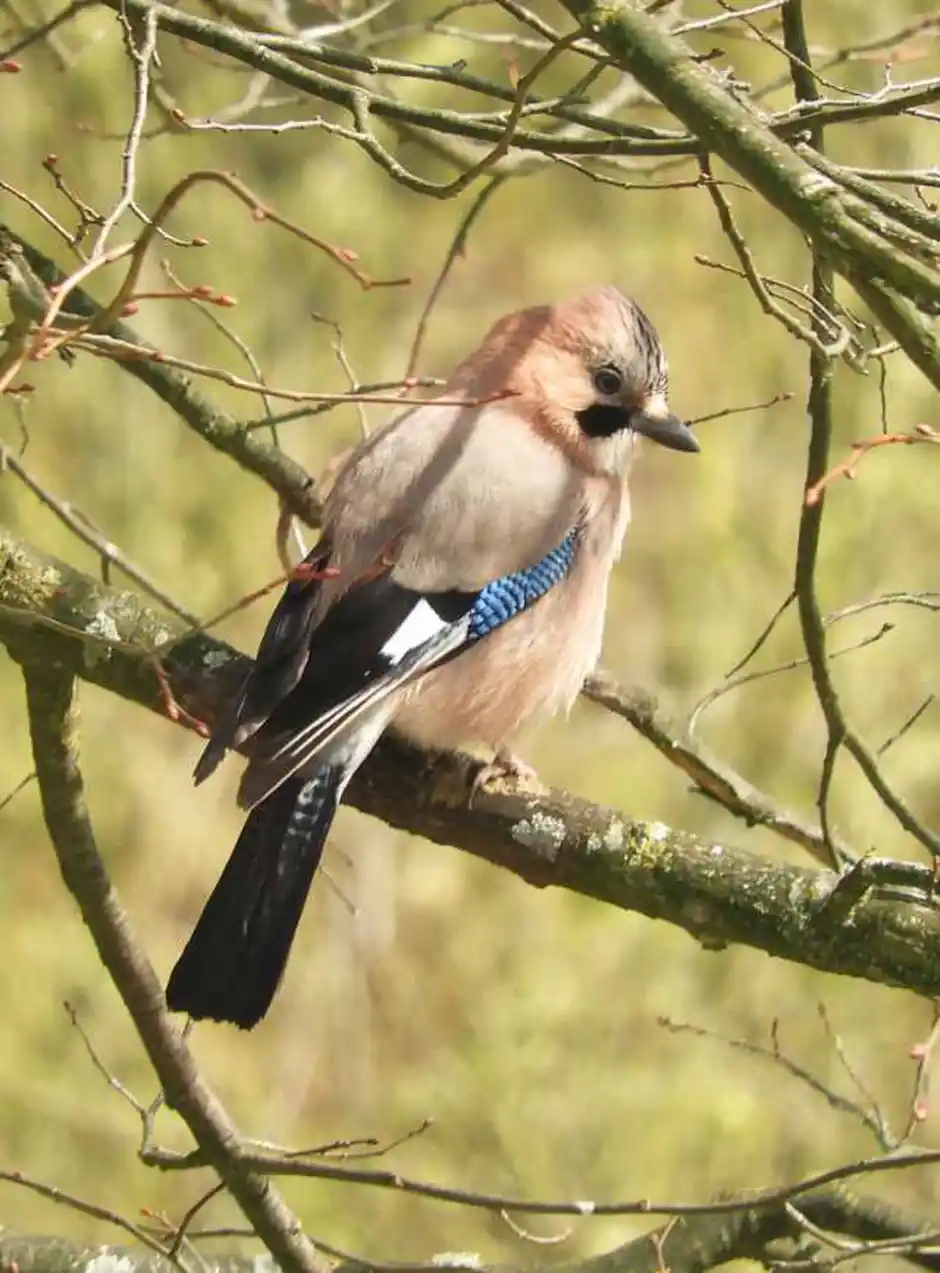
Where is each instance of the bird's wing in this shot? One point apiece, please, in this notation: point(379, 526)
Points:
point(379, 637)
point(427, 550)
point(279, 663)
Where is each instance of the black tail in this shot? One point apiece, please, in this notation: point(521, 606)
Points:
point(235, 959)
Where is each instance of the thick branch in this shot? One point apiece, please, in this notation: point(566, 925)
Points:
point(694, 1244)
point(691, 1244)
point(717, 893)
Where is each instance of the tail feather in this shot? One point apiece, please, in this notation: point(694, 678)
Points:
point(234, 960)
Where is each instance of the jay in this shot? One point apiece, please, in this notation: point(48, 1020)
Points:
point(457, 591)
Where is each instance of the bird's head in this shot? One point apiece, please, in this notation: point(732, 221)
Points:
point(615, 382)
point(589, 371)
point(624, 360)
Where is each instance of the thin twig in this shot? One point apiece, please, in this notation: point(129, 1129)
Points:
point(82, 529)
point(711, 776)
point(457, 248)
point(141, 55)
point(95, 1212)
point(775, 1054)
point(848, 469)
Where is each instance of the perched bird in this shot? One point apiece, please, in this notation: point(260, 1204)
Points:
point(458, 591)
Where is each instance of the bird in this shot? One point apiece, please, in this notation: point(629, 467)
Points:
point(457, 592)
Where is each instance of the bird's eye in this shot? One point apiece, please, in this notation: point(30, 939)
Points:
point(608, 381)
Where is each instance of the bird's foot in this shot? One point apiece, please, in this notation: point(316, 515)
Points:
point(504, 767)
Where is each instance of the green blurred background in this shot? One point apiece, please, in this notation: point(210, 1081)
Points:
point(525, 1023)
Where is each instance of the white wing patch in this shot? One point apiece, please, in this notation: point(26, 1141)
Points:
point(423, 623)
point(426, 646)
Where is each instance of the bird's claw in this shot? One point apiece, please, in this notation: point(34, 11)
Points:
point(504, 767)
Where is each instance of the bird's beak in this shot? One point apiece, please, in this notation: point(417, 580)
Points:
point(665, 428)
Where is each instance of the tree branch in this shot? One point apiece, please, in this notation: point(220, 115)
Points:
point(717, 893)
point(712, 777)
point(50, 696)
point(867, 245)
point(738, 133)
point(689, 1244)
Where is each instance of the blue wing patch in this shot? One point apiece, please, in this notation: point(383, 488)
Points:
point(504, 598)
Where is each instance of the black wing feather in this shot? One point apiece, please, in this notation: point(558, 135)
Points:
point(279, 664)
point(307, 668)
point(345, 651)
point(347, 671)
